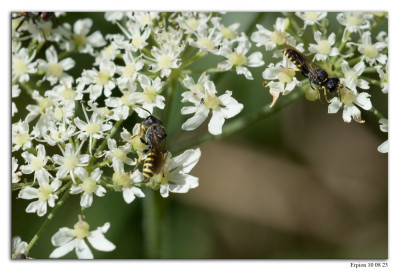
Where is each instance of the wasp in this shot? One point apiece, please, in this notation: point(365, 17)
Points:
point(310, 70)
point(34, 17)
point(152, 133)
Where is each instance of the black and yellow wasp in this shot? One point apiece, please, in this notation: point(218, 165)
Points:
point(34, 17)
point(310, 70)
point(152, 133)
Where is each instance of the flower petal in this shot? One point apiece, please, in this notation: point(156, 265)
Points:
point(63, 236)
point(99, 242)
point(82, 250)
point(64, 249)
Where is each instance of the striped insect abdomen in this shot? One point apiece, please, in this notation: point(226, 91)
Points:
point(152, 164)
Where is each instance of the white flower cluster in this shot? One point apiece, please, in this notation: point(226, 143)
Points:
point(356, 47)
point(69, 129)
point(84, 87)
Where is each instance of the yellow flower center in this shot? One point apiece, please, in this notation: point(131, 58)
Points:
point(121, 179)
point(278, 37)
point(312, 16)
point(228, 34)
point(119, 154)
point(109, 50)
point(137, 41)
point(347, 96)
point(351, 74)
point(21, 139)
point(353, 21)
point(68, 94)
point(55, 70)
point(102, 78)
point(89, 185)
point(59, 113)
point(311, 94)
point(206, 43)
point(125, 99)
point(20, 67)
point(81, 229)
point(370, 51)
point(161, 178)
point(149, 94)
point(165, 62)
point(44, 103)
point(324, 47)
point(137, 145)
point(286, 75)
point(192, 23)
point(79, 39)
point(92, 128)
point(37, 163)
point(237, 59)
point(57, 135)
point(44, 192)
point(145, 19)
point(70, 162)
point(211, 101)
point(198, 87)
point(129, 70)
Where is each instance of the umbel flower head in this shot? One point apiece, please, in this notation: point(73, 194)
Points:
point(67, 239)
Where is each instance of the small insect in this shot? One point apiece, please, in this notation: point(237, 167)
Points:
point(310, 70)
point(152, 133)
point(34, 17)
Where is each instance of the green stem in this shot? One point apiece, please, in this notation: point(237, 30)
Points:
point(104, 142)
point(48, 219)
point(377, 114)
point(241, 123)
point(154, 211)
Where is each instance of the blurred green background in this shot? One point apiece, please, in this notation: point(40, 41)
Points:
point(299, 184)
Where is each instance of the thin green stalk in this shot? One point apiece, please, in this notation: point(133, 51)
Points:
point(48, 219)
point(377, 114)
point(154, 211)
point(241, 123)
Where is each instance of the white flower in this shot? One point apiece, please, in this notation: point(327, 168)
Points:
point(88, 187)
point(192, 21)
point(222, 107)
point(57, 132)
point(22, 65)
point(136, 37)
point(287, 80)
point(324, 48)
point(371, 52)
point(71, 161)
point(64, 92)
point(80, 39)
point(66, 239)
point(271, 39)
point(354, 21)
point(229, 33)
point(348, 99)
point(35, 163)
point(384, 147)
point(351, 75)
point(237, 58)
point(16, 175)
point(129, 72)
point(122, 105)
point(99, 80)
point(21, 138)
point(383, 75)
point(150, 97)
point(165, 58)
point(175, 176)
point(144, 19)
point(124, 181)
point(55, 71)
point(134, 139)
point(207, 39)
point(44, 194)
point(18, 248)
point(311, 17)
point(114, 16)
point(110, 52)
point(15, 91)
point(93, 128)
point(118, 153)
